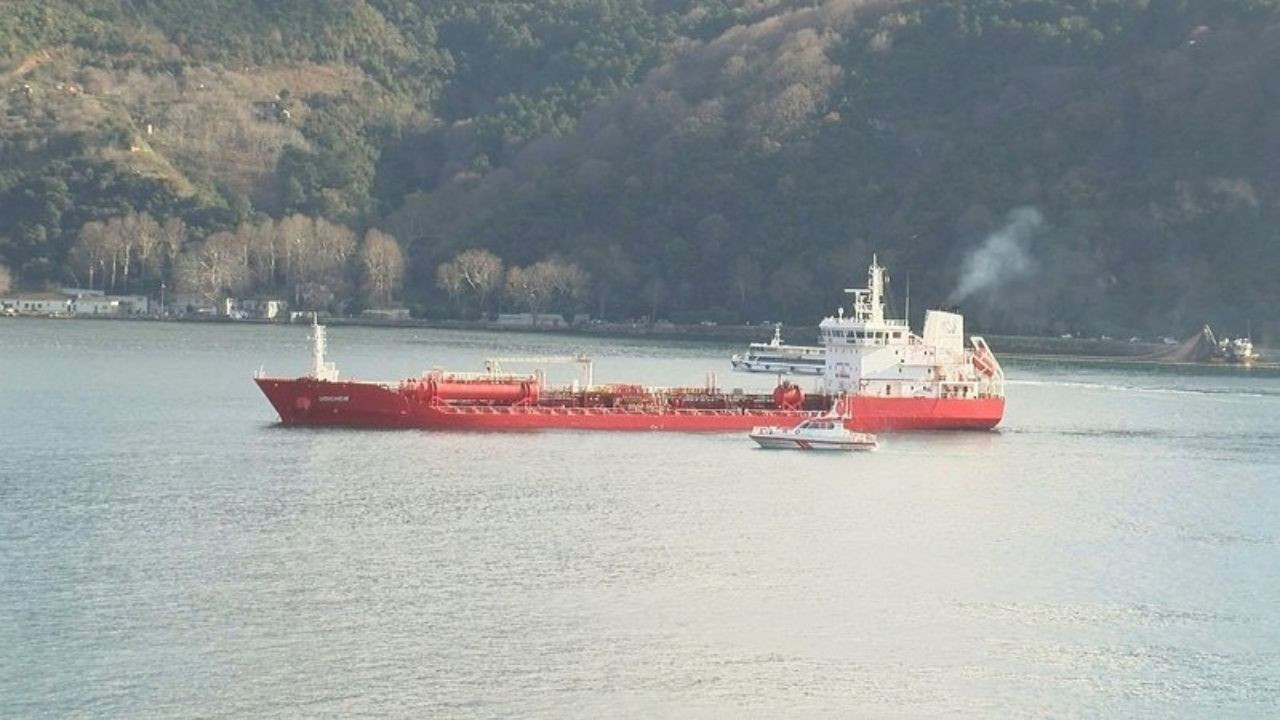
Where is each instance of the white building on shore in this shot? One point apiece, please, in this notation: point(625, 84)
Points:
point(38, 303)
point(74, 301)
point(95, 305)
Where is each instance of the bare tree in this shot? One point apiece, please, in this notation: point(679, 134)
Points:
point(325, 269)
point(145, 237)
point(570, 285)
point(529, 288)
point(87, 255)
point(480, 273)
point(545, 283)
point(214, 268)
point(315, 256)
point(115, 247)
point(335, 245)
point(293, 238)
point(382, 266)
point(449, 279)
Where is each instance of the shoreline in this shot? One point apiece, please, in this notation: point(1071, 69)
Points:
point(1020, 347)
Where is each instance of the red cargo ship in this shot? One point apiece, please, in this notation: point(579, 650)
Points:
point(878, 376)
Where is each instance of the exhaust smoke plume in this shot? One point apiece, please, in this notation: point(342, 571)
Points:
point(1002, 257)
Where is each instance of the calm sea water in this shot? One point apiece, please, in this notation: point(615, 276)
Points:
point(166, 551)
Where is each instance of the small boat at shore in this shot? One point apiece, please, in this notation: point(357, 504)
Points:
point(820, 433)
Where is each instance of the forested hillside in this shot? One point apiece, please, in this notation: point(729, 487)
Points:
point(1085, 166)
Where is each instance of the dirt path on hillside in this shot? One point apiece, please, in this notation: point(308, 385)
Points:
point(31, 62)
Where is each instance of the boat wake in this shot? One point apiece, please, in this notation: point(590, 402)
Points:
point(1256, 440)
point(1148, 389)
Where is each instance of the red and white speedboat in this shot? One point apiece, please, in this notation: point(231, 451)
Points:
point(821, 433)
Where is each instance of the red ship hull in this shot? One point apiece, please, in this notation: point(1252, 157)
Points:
point(309, 402)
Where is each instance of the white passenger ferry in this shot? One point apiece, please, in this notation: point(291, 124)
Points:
point(775, 357)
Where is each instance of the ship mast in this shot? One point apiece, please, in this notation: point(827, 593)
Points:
point(868, 302)
point(320, 370)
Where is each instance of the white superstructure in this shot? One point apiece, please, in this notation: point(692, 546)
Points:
point(868, 354)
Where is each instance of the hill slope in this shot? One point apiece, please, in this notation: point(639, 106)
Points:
point(1058, 165)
